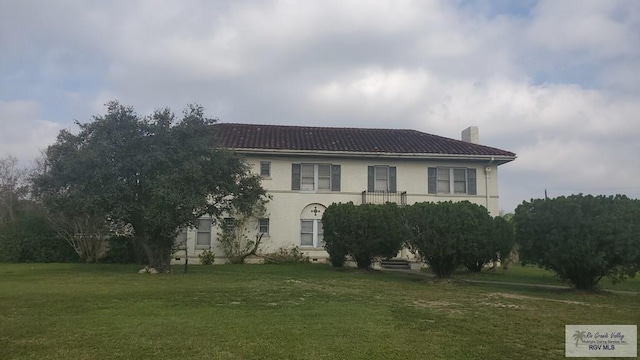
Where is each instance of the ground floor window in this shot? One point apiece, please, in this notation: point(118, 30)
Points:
point(228, 224)
point(311, 233)
point(263, 226)
point(265, 168)
point(203, 238)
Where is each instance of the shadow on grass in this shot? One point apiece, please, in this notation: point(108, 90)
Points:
point(29, 269)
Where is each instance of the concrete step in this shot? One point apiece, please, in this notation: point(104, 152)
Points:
point(395, 264)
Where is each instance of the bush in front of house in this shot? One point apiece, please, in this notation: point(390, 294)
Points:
point(503, 238)
point(582, 238)
point(207, 257)
point(286, 256)
point(478, 248)
point(491, 240)
point(449, 234)
point(337, 255)
point(364, 232)
point(30, 238)
point(339, 228)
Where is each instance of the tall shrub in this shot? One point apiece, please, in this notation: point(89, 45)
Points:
point(446, 234)
point(30, 238)
point(503, 238)
point(492, 240)
point(582, 238)
point(480, 247)
point(363, 232)
point(338, 229)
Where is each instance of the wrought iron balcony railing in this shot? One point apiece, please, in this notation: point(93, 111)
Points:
point(383, 197)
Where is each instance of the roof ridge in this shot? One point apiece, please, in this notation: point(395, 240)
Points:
point(320, 127)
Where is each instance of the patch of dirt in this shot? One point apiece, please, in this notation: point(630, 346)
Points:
point(446, 306)
point(504, 306)
point(423, 303)
point(533, 298)
point(293, 281)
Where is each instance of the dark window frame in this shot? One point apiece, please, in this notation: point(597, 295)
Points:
point(265, 172)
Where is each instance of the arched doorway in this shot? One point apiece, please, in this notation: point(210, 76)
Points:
point(311, 230)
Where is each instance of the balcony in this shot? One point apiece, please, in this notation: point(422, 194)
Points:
point(383, 197)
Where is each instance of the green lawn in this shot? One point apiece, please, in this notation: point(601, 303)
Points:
point(76, 311)
point(534, 275)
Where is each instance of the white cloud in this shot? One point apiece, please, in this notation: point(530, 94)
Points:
point(594, 28)
point(557, 85)
point(23, 131)
point(374, 88)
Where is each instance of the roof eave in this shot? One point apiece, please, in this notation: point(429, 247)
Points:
point(498, 159)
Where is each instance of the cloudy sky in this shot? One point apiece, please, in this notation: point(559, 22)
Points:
point(557, 82)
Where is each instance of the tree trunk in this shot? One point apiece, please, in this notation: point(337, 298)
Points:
point(254, 250)
point(363, 262)
point(158, 256)
point(441, 267)
point(474, 267)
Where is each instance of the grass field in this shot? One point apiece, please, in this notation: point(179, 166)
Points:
point(76, 311)
point(534, 275)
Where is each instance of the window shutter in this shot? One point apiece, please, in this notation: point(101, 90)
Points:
point(295, 176)
point(471, 182)
point(371, 179)
point(392, 179)
point(335, 177)
point(432, 180)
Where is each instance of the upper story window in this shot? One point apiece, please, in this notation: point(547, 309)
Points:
point(444, 180)
point(265, 168)
point(312, 177)
point(382, 178)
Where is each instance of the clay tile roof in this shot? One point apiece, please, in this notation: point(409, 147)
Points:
point(308, 138)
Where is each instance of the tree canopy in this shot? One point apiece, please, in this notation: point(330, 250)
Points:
point(153, 174)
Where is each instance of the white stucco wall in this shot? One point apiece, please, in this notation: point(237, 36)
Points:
point(286, 206)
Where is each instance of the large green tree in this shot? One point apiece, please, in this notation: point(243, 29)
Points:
point(152, 174)
point(582, 238)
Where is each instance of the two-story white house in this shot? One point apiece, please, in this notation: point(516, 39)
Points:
point(305, 169)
